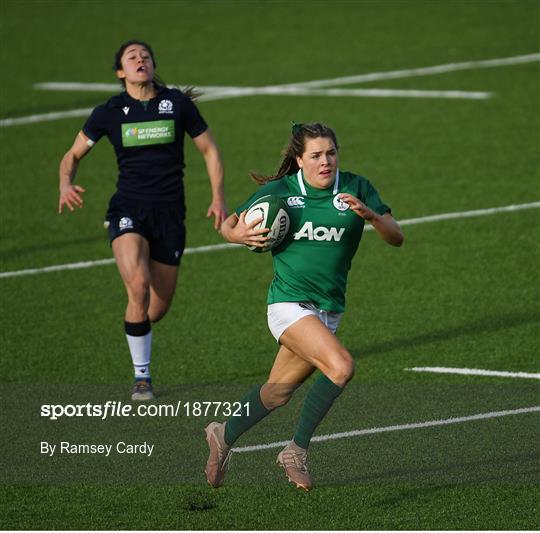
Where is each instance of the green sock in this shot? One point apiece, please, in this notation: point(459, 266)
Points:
point(236, 425)
point(319, 399)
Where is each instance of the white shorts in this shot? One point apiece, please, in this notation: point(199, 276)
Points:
point(285, 314)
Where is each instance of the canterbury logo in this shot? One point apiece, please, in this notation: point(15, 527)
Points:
point(320, 233)
point(295, 201)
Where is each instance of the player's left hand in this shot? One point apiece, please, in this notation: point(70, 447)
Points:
point(218, 209)
point(359, 207)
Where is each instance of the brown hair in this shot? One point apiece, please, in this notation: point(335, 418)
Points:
point(295, 148)
point(190, 92)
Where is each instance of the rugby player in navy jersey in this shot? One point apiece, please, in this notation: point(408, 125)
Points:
point(146, 125)
point(328, 209)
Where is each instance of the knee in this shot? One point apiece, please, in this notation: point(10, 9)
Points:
point(155, 315)
point(280, 400)
point(159, 306)
point(138, 288)
point(342, 369)
point(277, 401)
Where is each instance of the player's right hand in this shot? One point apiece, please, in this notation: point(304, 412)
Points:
point(70, 196)
point(247, 233)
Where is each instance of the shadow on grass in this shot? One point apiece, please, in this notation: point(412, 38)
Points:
point(484, 325)
point(56, 245)
point(489, 470)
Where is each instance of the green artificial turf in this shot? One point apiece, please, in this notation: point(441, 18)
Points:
point(459, 293)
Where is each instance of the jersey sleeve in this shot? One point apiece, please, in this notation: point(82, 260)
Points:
point(96, 125)
point(369, 195)
point(272, 187)
point(191, 119)
point(249, 201)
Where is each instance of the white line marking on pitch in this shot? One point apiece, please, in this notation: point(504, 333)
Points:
point(254, 91)
point(108, 261)
point(218, 93)
point(468, 214)
point(422, 71)
point(400, 427)
point(344, 80)
point(45, 117)
point(365, 93)
point(473, 372)
point(112, 87)
point(225, 246)
point(391, 93)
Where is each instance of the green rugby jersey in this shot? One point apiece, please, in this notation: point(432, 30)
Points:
point(314, 260)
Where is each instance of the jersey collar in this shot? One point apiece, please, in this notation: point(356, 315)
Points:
point(302, 185)
point(159, 90)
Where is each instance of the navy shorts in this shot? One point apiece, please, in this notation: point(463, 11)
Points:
point(161, 225)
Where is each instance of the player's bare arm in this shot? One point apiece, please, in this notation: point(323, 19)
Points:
point(234, 229)
point(70, 194)
point(385, 225)
point(214, 166)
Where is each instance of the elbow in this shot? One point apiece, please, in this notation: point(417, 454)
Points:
point(396, 239)
point(71, 158)
point(211, 152)
point(389, 230)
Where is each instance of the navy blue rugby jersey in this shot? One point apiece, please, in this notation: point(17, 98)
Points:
point(148, 138)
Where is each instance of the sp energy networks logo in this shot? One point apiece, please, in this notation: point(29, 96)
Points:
point(145, 133)
point(320, 233)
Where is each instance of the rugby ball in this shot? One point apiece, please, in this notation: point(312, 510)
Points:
point(273, 211)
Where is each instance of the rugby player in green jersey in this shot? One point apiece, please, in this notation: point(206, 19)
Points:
point(327, 209)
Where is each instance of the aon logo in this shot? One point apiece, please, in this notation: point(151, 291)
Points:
point(307, 231)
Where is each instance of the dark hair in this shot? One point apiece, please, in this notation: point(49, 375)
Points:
point(190, 92)
point(295, 148)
